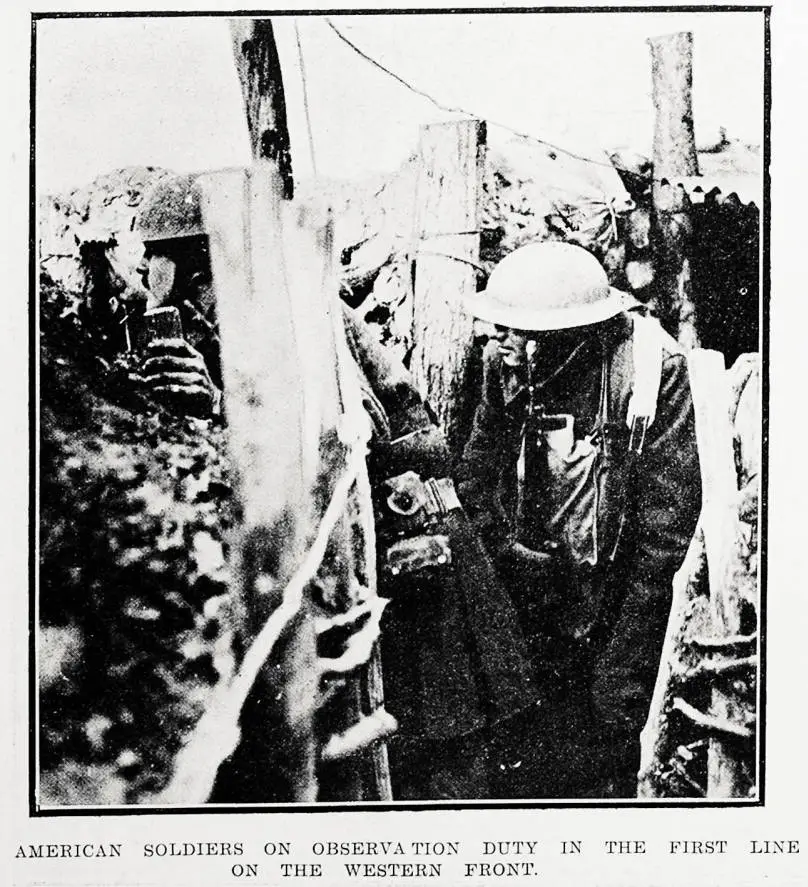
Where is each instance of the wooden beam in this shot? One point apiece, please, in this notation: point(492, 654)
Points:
point(263, 267)
point(727, 772)
point(447, 260)
point(703, 640)
point(674, 156)
point(672, 93)
point(304, 353)
point(259, 72)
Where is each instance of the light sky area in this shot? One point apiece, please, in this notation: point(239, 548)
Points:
point(164, 92)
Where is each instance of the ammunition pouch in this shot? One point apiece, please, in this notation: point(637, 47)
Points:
point(417, 553)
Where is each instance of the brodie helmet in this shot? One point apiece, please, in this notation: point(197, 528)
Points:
point(548, 286)
point(170, 209)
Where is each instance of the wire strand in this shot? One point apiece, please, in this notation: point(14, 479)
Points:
point(304, 84)
point(462, 111)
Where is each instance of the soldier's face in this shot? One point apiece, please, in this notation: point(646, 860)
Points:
point(512, 345)
point(552, 346)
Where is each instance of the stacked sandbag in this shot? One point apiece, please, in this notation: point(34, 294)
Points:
point(535, 192)
point(86, 241)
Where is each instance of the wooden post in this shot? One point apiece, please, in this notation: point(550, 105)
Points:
point(447, 258)
point(287, 734)
point(273, 445)
point(313, 377)
point(674, 156)
point(259, 72)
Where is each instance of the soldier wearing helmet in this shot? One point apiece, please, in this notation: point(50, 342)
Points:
point(183, 373)
point(582, 475)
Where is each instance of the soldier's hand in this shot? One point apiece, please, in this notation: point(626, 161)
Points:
point(175, 375)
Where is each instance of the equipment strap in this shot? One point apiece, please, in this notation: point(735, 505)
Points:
point(648, 340)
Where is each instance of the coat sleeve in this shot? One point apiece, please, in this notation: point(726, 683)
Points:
point(479, 470)
point(388, 379)
point(662, 510)
point(406, 435)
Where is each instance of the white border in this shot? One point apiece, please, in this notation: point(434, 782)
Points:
point(782, 818)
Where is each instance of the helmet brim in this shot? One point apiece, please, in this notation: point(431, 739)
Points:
point(147, 235)
point(485, 306)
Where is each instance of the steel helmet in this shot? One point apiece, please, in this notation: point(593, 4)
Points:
point(171, 209)
point(548, 286)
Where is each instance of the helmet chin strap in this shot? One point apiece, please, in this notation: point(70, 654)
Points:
point(531, 346)
point(531, 349)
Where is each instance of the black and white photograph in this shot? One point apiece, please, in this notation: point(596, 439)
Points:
point(399, 425)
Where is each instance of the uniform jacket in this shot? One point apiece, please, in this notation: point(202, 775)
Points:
point(630, 595)
point(453, 657)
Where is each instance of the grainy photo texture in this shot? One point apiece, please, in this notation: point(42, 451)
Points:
point(399, 409)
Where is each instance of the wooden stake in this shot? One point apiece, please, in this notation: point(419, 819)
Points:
point(672, 83)
point(266, 267)
point(306, 333)
point(447, 257)
point(715, 551)
point(674, 156)
point(726, 772)
point(259, 72)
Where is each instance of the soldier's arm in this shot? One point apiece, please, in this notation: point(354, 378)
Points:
point(409, 438)
point(479, 468)
point(667, 493)
point(390, 380)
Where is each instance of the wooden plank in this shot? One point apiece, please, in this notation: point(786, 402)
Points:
point(319, 389)
point(264, 267)
point(447, 254)
point(294, 416)
point(703, 640)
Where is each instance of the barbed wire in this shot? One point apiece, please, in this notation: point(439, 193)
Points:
point(464, 112)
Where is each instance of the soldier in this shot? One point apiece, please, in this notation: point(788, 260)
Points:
point(582, 476)
point(454, 660)
point(183, 373)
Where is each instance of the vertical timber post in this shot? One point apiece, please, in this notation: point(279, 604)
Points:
point(277, 726)
point(259, 72)
point(447, 257)
point(674, 156)
point(288, 727)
